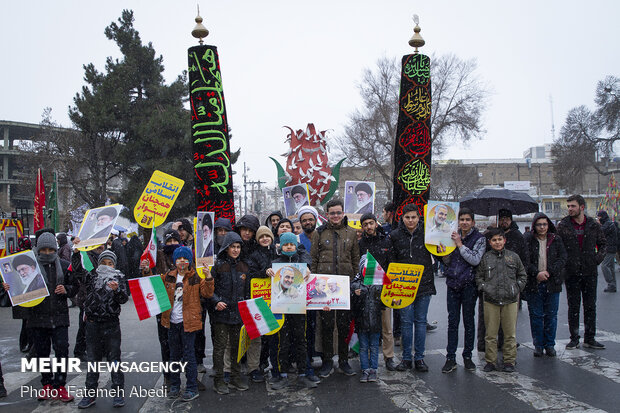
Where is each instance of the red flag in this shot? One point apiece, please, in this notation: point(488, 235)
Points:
point(39, 202)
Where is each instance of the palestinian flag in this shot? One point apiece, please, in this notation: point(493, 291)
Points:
point(150, 253)
point(373, 273)
point(352, 339)
point(149, 296)
point(257, 317)
point(87, 264)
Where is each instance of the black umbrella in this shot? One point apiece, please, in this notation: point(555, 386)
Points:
point(488, 201)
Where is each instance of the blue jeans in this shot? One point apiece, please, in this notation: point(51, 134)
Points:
point(414, 314)
point(182, 348)
point(464, 298)
point(369, 341)
point(543, 309)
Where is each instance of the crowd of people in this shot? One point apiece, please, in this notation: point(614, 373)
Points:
point(497, 269)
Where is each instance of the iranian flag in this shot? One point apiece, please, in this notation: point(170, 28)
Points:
point(257, 317)
point(149, 296)
point(373, 273)
point(352, 339)
point(150, 253)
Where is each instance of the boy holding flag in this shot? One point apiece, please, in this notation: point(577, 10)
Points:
point(184, 287)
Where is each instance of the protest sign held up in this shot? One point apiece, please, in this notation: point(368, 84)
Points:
point(157, 199)
point(405, 279)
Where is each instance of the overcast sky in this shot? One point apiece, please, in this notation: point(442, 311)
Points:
point(291, 62)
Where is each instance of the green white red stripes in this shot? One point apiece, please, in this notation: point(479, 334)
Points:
point(373, 273)
point(149, 296)
point(150, 253)
point(87, 264)
point(257, 317)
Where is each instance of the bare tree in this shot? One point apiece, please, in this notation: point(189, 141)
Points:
point(587, 137)
point(459, 99)
point(452, 180)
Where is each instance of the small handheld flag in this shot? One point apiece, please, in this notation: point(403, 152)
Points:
point(149, 296)
point(373, 273)
point(150, 253)
point(257, 317)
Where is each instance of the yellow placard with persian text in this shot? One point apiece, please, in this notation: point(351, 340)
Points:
point(261, 287)
point(244, 343)
point(405, 280)
point(157, 199)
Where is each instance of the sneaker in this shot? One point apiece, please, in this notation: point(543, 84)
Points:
point(449, 367)
point(201, 368)
point(273, 379)
point(538, 351)
point(469, 365)
point(346, 369)
point(326, 369)
point(372, 376)
point(239, 383)
point(550, 351)
point(420, 366)
point(404, 365)
point(280, 384)
point(305, 381)
point(2, 390)
point(226, 377)
point(189, 395)
point(256, 376)
point(86, 402)
point(610, 290)
point(174, 393)
point(430, 327)
point(489, 367)
point(593, 344)
point(313, 378)
point(118, 401)
point(573, 344)
point(219, 386)
point(45, 392)
point(508, 368)
point(390, 365)
point(364, 378)
point(63, 395)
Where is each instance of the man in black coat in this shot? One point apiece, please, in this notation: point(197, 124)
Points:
point(377, 242)
point(586, 248)
point(608, 265)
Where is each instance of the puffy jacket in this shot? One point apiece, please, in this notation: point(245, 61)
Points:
point(194, 287)
point(103, 304)
point(260, 260)
point(379, 246)
point(53, 310)
point(335, 250)
point(610, 231)
point(582, 262)
point(366, 307)
point(461, 263)
point(409, 248)
point(516, 243)
point(556, 258)
point(501, 276)
point(301, 255)
point(230, 277)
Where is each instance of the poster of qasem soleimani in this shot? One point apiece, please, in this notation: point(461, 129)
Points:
point(288, 288)
point(440, 222)
point(22, 273)
point(359, 198)
point(295, 197)
point(204, 239)
point(97, 225)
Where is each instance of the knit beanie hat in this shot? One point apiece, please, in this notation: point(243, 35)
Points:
point(263, 230)
point(172, 234)
point(182, 252)
point(186, 225)
point(47, 240)
point(288, 238)
point(107, 254)
point(502, 213)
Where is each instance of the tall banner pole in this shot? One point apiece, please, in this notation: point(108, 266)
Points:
point(213, 184)
point(412, 148)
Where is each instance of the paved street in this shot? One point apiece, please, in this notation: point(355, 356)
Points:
point(581, 380)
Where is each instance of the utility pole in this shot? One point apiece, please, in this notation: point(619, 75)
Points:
point(245, 187)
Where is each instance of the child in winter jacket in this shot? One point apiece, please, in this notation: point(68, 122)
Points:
point(367, 306)
point(501, 277)
point(184, 287)
point(105, 292)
